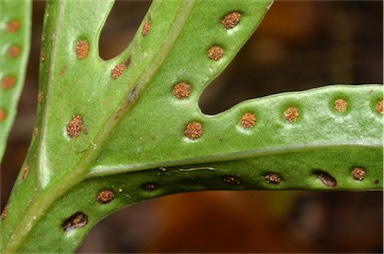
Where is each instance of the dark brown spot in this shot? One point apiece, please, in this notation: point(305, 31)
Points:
point(13, 26)
point(128, 62)
point(14, 51)
point(82, 49)
point(194, 130)
point(326, 178)
point(4, 213)
point(151, 186)
point(379, 107)
point(133, 94)
point(36, 132)
point(25, 172)
point(215, 53)
point(77, 220)
point(273, 178)
point(341, 105)
point(291, 114)
point(41, 98)
point(376, 181)
point(2, 115)
point(358, 174)
point(63, 70)
point(146, 28)
point(8, 82)
point(74, 127)
point(105, 196)
point(117, 70)
point(182, 90)
point(232, 180)
point(231, 20)
point(248, 120)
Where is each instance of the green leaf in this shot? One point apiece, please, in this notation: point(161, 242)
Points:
point(112, 133)
point(15, 29)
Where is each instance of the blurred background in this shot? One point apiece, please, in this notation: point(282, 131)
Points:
point(299, 45)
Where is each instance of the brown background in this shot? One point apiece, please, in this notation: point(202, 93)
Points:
point(299, 45)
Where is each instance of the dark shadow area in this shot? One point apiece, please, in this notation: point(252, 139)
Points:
point(125, 17)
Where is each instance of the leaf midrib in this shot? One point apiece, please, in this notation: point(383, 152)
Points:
point(259, 152)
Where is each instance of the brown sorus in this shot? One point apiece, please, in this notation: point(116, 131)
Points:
point(77, 220)
point(25, 172)
point(194, 130)
point(379, 107)
point(2, 115)
point(13, 26)
point(14, 51)
point(273, 178)
point(248, 120)
point(82, 49)
point(41, 97)
point(232, 180)
point(358, 173)
point(146, 28)
point(118, 70)
point(4, 213)
point(8, 82)
point(105, 196)
point(151, 186)
point(231, 20)
point(182, 90)
point(341, 105)
point(74, 126)
point(291, 114)
point(215, 53)
point(326, 178)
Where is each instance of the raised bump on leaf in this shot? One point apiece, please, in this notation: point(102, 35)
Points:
point(182, 90)
point(231, 20)
point(77, 220)
point(194, 130)
point(146, 28)
point(14, 51)
point(150, 186)
point(215, 53)
point(379, 107)
point(13, 26)
point(248, 120)
point(105, 196)
point(8, 82)
point(4, 213)
point(75, 126)
point(232, 180)
point(273, 178)
point(82, 49)
point(118, 70)
point(341, 105)
point(25, 172)
point(2, 115)
point(291, 114)
point(358, 173)
point(326, 178)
